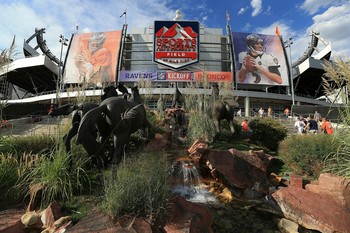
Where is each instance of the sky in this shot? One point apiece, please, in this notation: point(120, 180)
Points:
point(295, 18)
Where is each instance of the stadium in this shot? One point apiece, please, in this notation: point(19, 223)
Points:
point(166, 55)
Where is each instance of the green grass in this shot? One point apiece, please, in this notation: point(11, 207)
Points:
point(142, 188)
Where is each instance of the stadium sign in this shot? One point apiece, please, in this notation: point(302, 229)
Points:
point(176, 43)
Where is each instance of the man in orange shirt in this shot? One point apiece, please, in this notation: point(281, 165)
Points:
point(245, 126)
point(326, 126)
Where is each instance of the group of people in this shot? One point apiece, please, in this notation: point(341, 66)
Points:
point(311, 125)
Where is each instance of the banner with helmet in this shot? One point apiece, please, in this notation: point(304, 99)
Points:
point(92, 58)
point(259, 59)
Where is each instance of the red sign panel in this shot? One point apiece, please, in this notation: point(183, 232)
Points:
point(212, 76)
point(176, 43)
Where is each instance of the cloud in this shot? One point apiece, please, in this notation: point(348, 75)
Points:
point(300, 39)
point(268, 10)
point(312, 6)
point(246, 27)
point(60, 17)
point(333, 26)
point(241, 11)
point(257, 7)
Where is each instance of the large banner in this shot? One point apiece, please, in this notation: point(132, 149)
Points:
point(260, 59)
point(92, 58)
point(174, 76)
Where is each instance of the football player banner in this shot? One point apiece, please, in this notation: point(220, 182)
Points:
point(92, 58)
point(260, 59)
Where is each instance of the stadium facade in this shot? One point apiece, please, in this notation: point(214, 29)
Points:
point(164, 55)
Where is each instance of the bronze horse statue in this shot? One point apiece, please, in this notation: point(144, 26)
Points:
point(122, 118)
point(178, 99)
point(222, 109)
point(78, 111)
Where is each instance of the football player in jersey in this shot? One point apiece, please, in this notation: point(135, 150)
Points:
point(257, 66)
point(95, 62)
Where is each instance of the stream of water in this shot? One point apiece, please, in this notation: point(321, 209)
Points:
point(234, 216)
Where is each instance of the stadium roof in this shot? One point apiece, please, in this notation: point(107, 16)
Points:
point(34, 74)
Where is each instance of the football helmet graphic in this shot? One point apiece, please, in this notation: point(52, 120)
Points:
point(252, 40)
point(96, 41)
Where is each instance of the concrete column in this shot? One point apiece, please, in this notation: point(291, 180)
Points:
point(246, 106)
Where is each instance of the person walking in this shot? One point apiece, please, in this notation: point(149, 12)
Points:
point(261, 112)
point(317, 116)
point(269, 112)
point(299, 125)
point(239, 113)
point(286, 112)
point(326, 126)
point(311, 125)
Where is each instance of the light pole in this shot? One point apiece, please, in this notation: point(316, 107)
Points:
point(288, 43)
point(63, 42)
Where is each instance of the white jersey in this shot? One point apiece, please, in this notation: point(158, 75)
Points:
point(265, 61)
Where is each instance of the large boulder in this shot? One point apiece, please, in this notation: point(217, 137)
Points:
point(237, 169)
point(314, 207)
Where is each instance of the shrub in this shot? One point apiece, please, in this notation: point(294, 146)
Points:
point(267, 132)
point(305, 154)
point(142, 188)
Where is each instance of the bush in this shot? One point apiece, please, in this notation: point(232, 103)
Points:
point(305, 154)
point(267, 132)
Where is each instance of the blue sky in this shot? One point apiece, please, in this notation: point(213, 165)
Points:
point(295, 18)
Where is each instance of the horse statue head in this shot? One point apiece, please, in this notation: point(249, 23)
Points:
point(178, 99)
point(109, 91)
point(135, 95)
point(123, 90)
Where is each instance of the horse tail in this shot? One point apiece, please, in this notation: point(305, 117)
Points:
point(88, 122)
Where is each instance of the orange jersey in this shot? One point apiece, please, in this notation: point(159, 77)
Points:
point(326, 125)
point(245, 126)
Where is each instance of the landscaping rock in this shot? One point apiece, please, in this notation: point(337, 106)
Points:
point(312, 210)
point(186, 216)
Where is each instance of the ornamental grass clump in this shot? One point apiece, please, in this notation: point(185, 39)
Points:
point(59, 178)
point(336, 82)
point(8, 174)
point(200, 122)
point(141, 189)
point(19, 145)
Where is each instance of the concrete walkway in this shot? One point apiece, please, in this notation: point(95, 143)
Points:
point(28, 126)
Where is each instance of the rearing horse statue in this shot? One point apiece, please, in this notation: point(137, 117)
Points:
point(122, 118)
point(78, 111)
